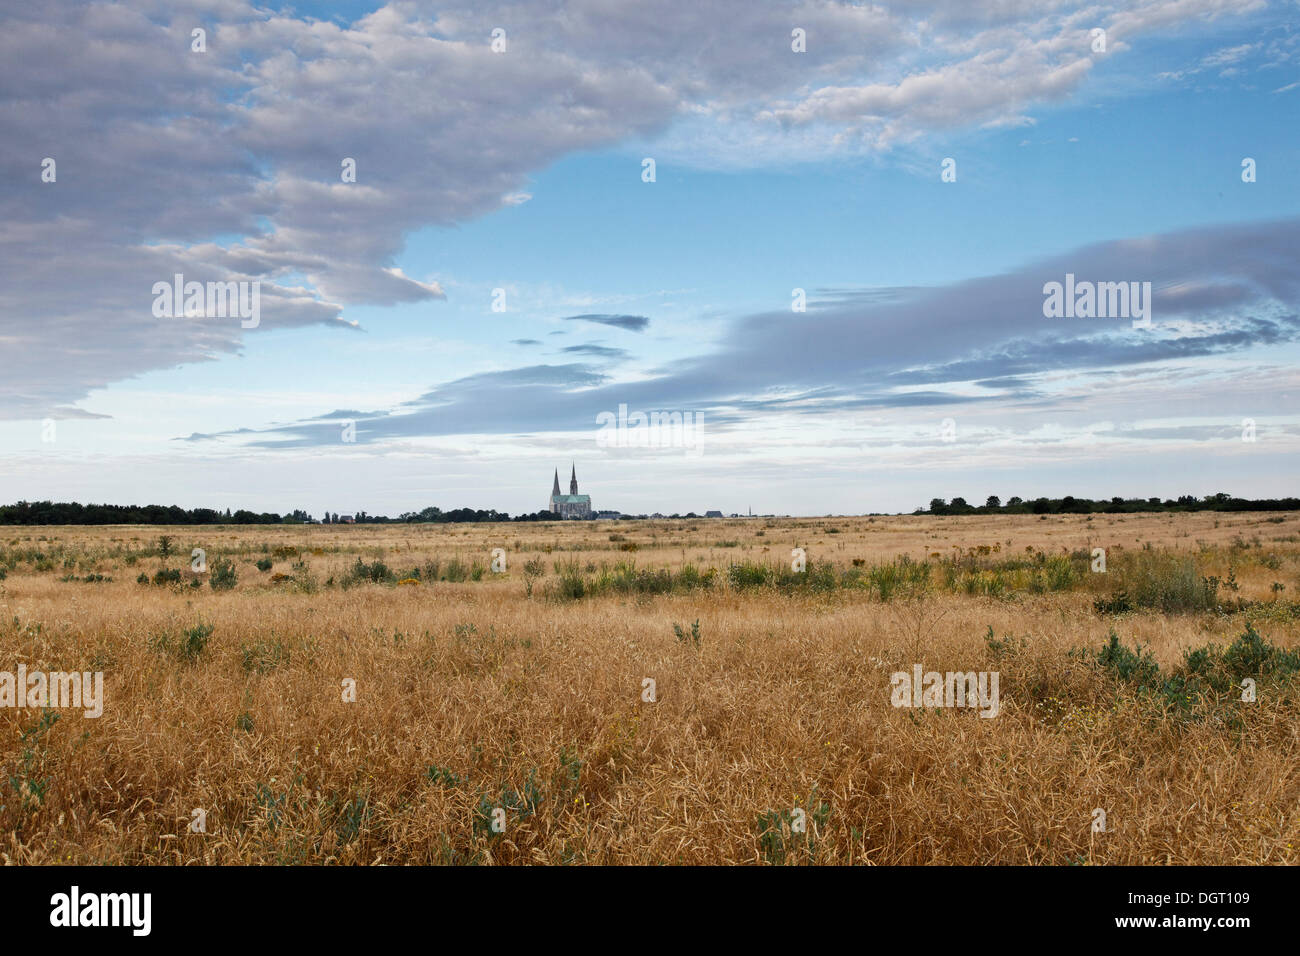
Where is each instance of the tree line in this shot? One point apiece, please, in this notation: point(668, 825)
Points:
point(71, 512)
point(1072, 505)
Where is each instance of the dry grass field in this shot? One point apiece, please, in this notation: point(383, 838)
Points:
point(525, 691)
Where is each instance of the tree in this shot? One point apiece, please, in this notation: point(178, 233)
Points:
point(993, 502)
point(938, 506)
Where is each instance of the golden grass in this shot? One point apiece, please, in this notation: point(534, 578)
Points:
point(472, 696)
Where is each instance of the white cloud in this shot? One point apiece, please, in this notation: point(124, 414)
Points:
point(227, 164)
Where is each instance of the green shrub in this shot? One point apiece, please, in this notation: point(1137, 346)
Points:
point(1130, 666)
point(749, 575)
point(187, 647)
point(374, 573)
point(195, 640)
point(900, 575)
point(1060, 573)
point(1118, 604)
point(223, 576)
point(573, 582)
point(1252, 656)
point(1163, 582)
point(533, 569)
point(570, 586)
point(1208, 682)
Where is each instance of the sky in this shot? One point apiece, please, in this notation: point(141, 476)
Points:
point(487, 238)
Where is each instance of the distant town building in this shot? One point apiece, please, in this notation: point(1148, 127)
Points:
point(572, 505)
point(347, 519)
point(713, 514)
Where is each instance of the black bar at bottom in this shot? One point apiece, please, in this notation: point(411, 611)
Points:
point(334, 906)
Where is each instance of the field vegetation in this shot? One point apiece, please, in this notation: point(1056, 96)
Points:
point(672, 692)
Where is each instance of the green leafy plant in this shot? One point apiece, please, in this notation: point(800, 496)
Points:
point(223, 576)
point(533, 570)
point(684, 638)
point(27, 783)
point(1132, 666)
point(187, 646)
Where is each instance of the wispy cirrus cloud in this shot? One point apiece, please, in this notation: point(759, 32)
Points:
point(596, 351)
point(629, 323)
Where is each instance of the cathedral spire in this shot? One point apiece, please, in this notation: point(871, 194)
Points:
point(573, 479)
point(555, 489)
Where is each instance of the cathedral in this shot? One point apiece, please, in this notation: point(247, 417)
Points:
point(572, 505)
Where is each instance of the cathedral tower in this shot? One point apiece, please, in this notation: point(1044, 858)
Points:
point(572, 505)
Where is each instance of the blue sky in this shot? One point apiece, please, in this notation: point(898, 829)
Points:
point(521, 171)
